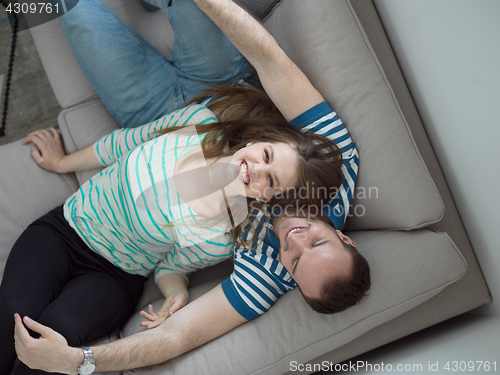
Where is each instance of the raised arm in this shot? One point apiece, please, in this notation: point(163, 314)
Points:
point(289, 89)
point(204, 319)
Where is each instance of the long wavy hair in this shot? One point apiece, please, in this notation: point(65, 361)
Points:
point(247, 114)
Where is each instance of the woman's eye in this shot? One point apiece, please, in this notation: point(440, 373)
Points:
point(271, 182)
point(266, 156)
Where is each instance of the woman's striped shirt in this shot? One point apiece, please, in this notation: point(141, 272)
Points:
point(131, 215)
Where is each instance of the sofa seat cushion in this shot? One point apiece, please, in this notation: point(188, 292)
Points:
point(407, 269)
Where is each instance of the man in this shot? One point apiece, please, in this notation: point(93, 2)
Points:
point(311, 250)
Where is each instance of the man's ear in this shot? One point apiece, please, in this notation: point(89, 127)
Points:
point(346, 239)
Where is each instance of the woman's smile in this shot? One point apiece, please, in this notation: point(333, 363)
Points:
point(245, 176)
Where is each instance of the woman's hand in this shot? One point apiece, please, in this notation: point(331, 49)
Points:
point(47, 148)
point(171, 305)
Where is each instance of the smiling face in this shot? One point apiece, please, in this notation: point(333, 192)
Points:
point(312, 251)
point(266, 168)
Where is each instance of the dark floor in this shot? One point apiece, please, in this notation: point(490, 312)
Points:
point(32, 104)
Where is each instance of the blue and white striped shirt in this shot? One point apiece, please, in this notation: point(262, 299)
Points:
point(259, 278)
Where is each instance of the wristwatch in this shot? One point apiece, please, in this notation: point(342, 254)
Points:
point(88, 365)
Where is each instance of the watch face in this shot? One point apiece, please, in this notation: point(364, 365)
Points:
point(86, 369)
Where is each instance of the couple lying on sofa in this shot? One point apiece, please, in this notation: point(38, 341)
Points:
point(121, 213)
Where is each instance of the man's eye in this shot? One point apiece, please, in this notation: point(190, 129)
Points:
point(317, 243)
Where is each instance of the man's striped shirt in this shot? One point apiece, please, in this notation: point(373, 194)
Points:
point(259, 278)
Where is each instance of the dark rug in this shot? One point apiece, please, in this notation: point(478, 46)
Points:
point(32, 104)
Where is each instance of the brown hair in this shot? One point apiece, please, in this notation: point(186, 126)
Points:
point(338, 294)
point(246, 114)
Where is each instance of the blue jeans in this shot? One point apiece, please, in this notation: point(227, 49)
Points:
point(134, 80)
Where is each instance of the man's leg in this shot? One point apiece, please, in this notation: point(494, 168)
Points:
point(136, 83)
point(134, 80)
point(202, 53)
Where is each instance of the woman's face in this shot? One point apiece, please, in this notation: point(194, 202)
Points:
point(266, 169)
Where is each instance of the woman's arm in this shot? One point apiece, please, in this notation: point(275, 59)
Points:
point(289, 89)
point(49, 154)
point(174, 288)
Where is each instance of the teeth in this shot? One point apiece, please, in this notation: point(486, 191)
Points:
point(244, 172)
point(290, 232)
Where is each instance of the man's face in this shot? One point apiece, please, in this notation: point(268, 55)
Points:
point(312, 251)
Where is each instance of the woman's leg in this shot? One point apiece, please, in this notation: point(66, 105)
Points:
point(52, 276)
point(89, 307)
point(36, 271)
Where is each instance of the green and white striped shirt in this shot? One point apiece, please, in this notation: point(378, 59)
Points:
point(126, 212)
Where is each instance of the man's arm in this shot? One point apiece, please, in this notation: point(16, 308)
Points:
point(289, 89)
point(204, 319)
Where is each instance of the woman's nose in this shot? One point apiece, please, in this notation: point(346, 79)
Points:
point(260, 169)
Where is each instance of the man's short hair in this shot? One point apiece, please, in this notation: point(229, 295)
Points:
point(338, 293)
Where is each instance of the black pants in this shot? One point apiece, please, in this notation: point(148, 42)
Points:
point(53, 277)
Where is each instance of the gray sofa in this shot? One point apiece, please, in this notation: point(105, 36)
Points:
point(403, 218)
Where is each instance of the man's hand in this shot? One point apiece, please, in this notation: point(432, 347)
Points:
point(171, 305)
point(49, 353)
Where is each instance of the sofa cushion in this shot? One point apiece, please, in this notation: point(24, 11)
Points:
point(407, 269)
point(26, 193)
point(394, 189)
